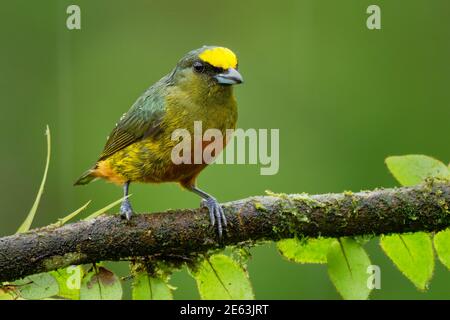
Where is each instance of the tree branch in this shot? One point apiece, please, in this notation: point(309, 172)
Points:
point(183, 234)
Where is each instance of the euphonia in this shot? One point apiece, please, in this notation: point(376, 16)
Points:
point(199, 88)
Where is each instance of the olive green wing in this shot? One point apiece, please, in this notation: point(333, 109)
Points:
point(142, 120)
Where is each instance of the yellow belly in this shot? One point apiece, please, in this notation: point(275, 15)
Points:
point(146, 161)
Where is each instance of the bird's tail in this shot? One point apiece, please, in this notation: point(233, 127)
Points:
point(85, 178)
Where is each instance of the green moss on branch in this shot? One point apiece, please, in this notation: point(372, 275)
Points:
point(180, 235)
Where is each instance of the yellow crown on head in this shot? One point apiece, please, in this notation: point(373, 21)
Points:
point(219, 57)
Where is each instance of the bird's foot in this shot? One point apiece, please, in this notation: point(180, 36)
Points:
point(126, 211)
point(216, 214)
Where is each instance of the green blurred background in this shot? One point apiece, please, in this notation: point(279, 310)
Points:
point(344, 97)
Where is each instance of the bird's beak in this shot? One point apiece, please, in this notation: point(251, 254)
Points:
point(230, 76)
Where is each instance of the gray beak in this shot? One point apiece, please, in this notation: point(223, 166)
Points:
point(229, 77)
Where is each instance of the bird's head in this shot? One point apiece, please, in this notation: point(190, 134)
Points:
point(209, 66)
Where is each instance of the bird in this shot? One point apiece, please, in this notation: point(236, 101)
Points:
point(199, 88)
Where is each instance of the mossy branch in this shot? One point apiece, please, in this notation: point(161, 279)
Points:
point(179, 235)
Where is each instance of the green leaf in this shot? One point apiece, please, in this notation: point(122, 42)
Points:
point(220, 277)
point(72, 215)
point(30, 217)
point(410, 170)
point(442, 246)
point(100, 284)
point(347, 268)
point(69, 281)
point(412, 253)
point(37, 286)
point(104, 209)
point(145, 287)
point(309, 251)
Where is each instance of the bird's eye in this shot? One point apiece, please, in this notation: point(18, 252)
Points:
point(198, 67)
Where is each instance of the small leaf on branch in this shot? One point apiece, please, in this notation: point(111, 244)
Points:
point(72, 215)
point(348, 263)
point(106, 208)
point(410, 170)
point(219, 277)
point(308, 251)
point(442, 246)
point(37, 286)
point(100, 284)
point(412, 253)
point(145, 287)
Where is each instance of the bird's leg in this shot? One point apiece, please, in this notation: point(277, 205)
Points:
point(126, 211)
point(215, 210)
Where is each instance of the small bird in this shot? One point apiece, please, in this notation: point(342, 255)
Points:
point(139, 148)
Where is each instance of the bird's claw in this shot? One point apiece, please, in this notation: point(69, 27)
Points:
point(126, 211)
point(215, 214)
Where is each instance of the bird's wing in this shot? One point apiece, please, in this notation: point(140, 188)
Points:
point(142, 120)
